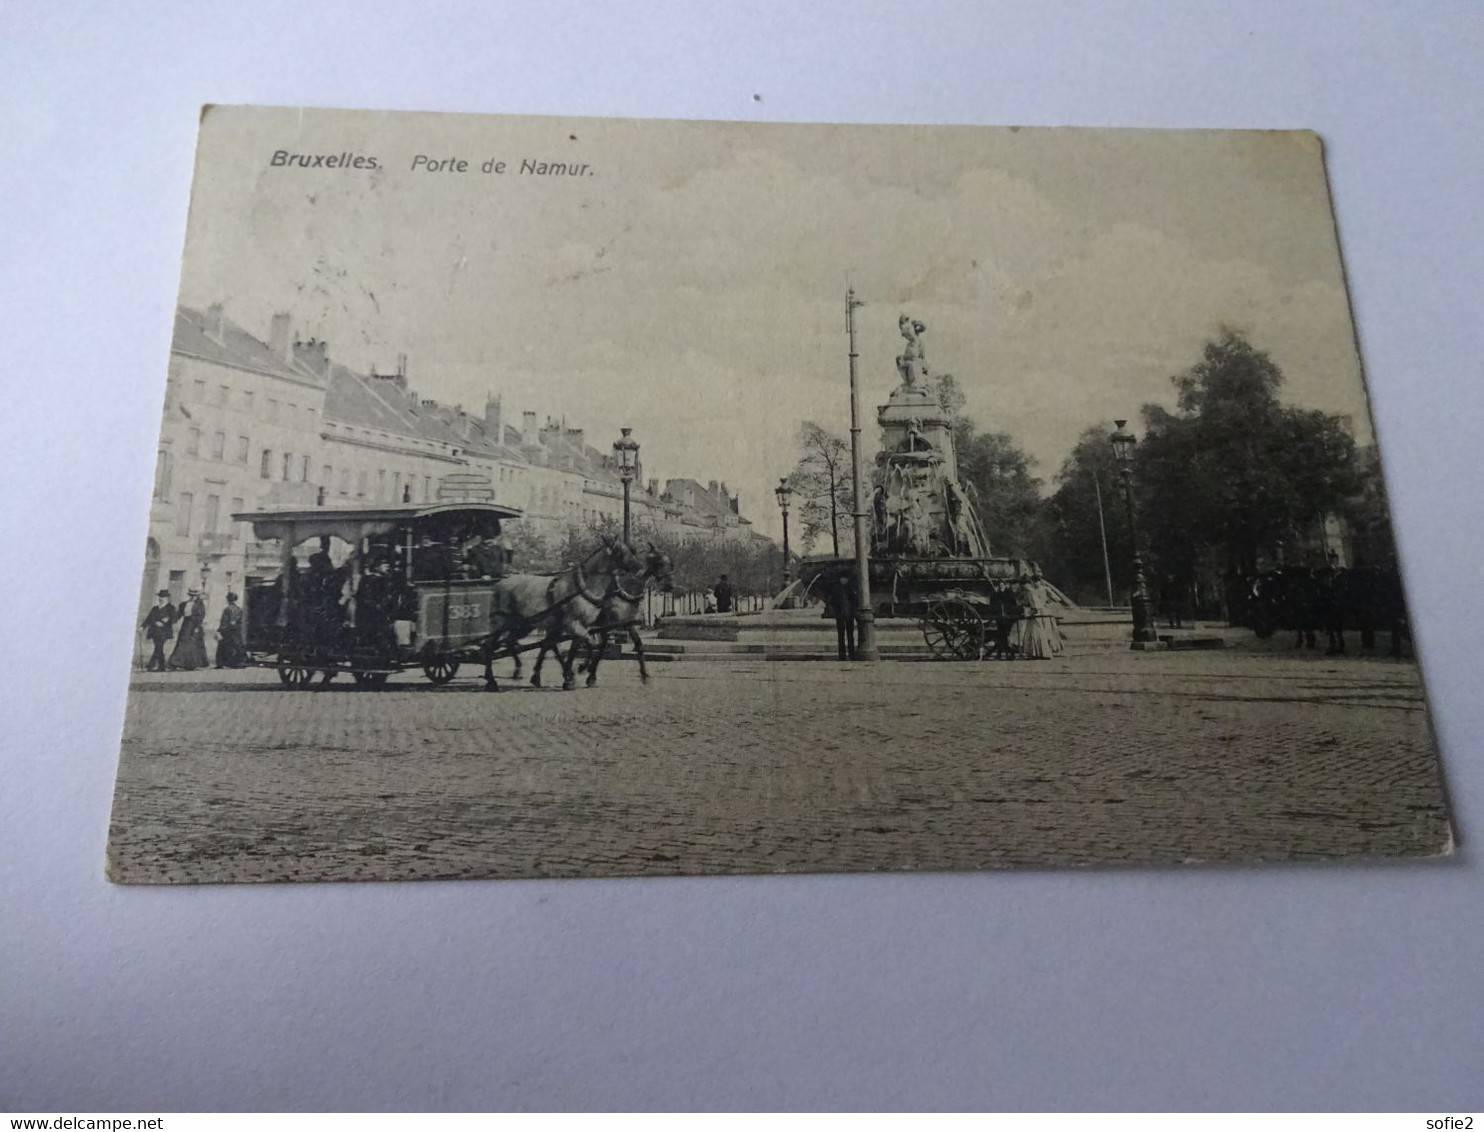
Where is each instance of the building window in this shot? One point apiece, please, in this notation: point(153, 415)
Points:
point(427, 489)
point(266, 471)
point(193, 442)
point(304, 471)
point(183, 514)
point(272, 409)
point(327, 476)
point(218, 445)
point(361, 485)
point(223, 395)
point(381, 483)
point(208, 521)
point(236, 510)
point(309, 417)
point(247, 400)
point(288, 465)
point(198, 391)
point(243, 444)
point(396, 487)
point(163, 462)
point(344, 481)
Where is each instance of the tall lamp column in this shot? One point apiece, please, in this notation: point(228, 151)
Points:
point(626, 453)
point(1123, 443)
point(784, 494)
point(865, 614)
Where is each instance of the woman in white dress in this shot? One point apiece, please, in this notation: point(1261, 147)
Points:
point(1044, 631)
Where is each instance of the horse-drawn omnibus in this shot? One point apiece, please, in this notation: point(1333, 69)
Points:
point(389, 588)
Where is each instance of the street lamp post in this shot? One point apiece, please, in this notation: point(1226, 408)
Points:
point(865, 615)
point(626, 452)
point(784, 494)
point(1123, 443)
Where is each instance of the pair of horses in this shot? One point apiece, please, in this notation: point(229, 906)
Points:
point(1330, 599)
point(583, 606)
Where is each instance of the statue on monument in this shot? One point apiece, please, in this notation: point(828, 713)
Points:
point(913, 361)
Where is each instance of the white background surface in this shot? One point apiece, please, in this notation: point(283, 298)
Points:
point(1302, 987)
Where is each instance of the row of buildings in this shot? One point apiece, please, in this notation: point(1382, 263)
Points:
point(252, 424)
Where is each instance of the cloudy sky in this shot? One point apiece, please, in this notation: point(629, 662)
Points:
point(692, 284)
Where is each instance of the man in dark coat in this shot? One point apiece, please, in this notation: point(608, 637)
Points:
point(723, 593)
point(159, 627)
point(840, 604)
point(379, 600)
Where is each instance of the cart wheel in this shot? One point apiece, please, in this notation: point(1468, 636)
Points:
point(954, 630)
point(294, 673)
point(369, 679)
point(440, 669)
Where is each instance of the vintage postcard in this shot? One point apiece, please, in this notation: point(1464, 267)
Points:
point(545, 497)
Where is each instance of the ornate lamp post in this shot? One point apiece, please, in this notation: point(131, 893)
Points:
point(784, 494)
point(626, 452)
point(1123, 443)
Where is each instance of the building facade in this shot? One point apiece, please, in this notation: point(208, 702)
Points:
point(250, 424)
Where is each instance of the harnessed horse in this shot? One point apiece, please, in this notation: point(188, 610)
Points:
point(621, 612)
point(563, 606)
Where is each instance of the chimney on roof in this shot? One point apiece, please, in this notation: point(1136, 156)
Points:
point(494, 419)
point(736, 503)
point(281, 337)
point(314, 355)
point(528, 427)
point(712, 487)
point(215, 324)
point(654, 487)
point(398, 379)
point(575, 439)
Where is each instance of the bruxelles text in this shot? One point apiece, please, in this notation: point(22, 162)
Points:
point(422, 163)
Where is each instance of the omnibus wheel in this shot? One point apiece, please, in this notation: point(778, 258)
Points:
point(294, 673)
point(440, 669)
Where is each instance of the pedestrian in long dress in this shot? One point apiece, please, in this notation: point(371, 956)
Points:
point(229, 650)
point(1044, 629)
point(190, 646)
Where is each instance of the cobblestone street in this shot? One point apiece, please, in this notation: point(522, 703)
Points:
point(771, 767)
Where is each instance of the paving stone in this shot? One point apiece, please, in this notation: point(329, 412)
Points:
point(750, 766)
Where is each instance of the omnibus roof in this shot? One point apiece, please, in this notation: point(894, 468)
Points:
point(353, 523)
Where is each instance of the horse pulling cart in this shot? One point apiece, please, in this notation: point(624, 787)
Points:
point(429, 586)
point(390, 588)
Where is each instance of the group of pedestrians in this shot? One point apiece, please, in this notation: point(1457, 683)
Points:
point(719, 598)
point(160, 628)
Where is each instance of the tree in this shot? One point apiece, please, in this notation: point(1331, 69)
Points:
point(1087, 507)
point(1233, 471)
point(996, 474)
point(823, 490)
point(1368, 513)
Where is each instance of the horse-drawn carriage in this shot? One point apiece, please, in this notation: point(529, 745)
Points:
point(1330, 599)
point(405, 587)
point(408, 586)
